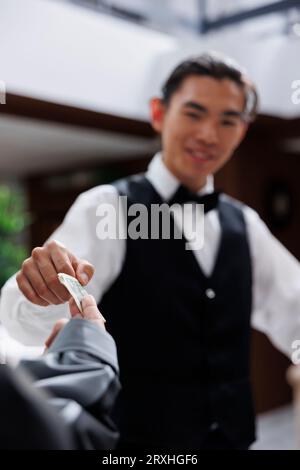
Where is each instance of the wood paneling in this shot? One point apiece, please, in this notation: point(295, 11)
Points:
point(47, 111)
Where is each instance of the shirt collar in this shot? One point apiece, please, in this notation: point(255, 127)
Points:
point(165, 183)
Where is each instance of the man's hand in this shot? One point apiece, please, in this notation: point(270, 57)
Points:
point(38, 279)
point(90, 312)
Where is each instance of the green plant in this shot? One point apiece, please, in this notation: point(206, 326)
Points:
point(13, 221)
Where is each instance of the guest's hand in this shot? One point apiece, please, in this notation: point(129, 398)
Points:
point(90, 312)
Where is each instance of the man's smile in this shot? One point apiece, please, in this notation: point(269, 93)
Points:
point(198, 155)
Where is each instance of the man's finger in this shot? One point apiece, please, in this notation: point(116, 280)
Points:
point(62, 260)
point(29, 292)
point(90, 309)
point(49, 274)
point(74, 310)
point(31, 271)
point(84, 272)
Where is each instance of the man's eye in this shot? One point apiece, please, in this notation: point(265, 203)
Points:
point(193, 115)
point(228, 123)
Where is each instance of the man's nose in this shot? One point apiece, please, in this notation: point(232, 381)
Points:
point(207, 133)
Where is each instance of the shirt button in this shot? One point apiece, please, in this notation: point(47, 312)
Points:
point(210, 293)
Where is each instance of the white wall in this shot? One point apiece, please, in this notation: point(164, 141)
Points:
point(273, 64)
point(68, 54)
point(63, 53)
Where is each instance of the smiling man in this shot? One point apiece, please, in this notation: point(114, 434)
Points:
point(201, 123)
point(181, 318)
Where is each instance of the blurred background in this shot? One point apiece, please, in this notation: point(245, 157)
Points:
point(76, 77)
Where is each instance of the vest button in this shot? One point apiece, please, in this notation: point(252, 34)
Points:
point(214, 426)
point(210, 293)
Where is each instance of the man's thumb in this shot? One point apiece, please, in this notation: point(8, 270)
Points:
point(84, 272)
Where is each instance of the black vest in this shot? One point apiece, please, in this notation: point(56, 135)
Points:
point(183, 338)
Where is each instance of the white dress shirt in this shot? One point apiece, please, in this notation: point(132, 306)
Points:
point(276, 272)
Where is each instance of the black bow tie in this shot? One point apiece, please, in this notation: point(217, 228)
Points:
point(184, 195)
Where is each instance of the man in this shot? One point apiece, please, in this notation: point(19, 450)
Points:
point(79, 373)
point(181, 318)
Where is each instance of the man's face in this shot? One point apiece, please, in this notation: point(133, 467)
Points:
point(200, 127)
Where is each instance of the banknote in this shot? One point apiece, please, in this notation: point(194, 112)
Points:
point(74, 287)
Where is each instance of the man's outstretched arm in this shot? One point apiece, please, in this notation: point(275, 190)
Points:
point(33, 299)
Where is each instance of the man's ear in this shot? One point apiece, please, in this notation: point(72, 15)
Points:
point(157, 112)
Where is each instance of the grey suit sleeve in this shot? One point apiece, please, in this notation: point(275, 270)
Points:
point(80, 373)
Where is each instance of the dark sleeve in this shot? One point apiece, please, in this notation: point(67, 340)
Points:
point(28, 422)
point(80, 373)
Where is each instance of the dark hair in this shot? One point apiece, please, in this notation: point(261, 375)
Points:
point(218, 67)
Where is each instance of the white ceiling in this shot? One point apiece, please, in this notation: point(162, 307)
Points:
point(28, 146)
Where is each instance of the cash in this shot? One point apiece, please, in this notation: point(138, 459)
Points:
point(74, 287)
